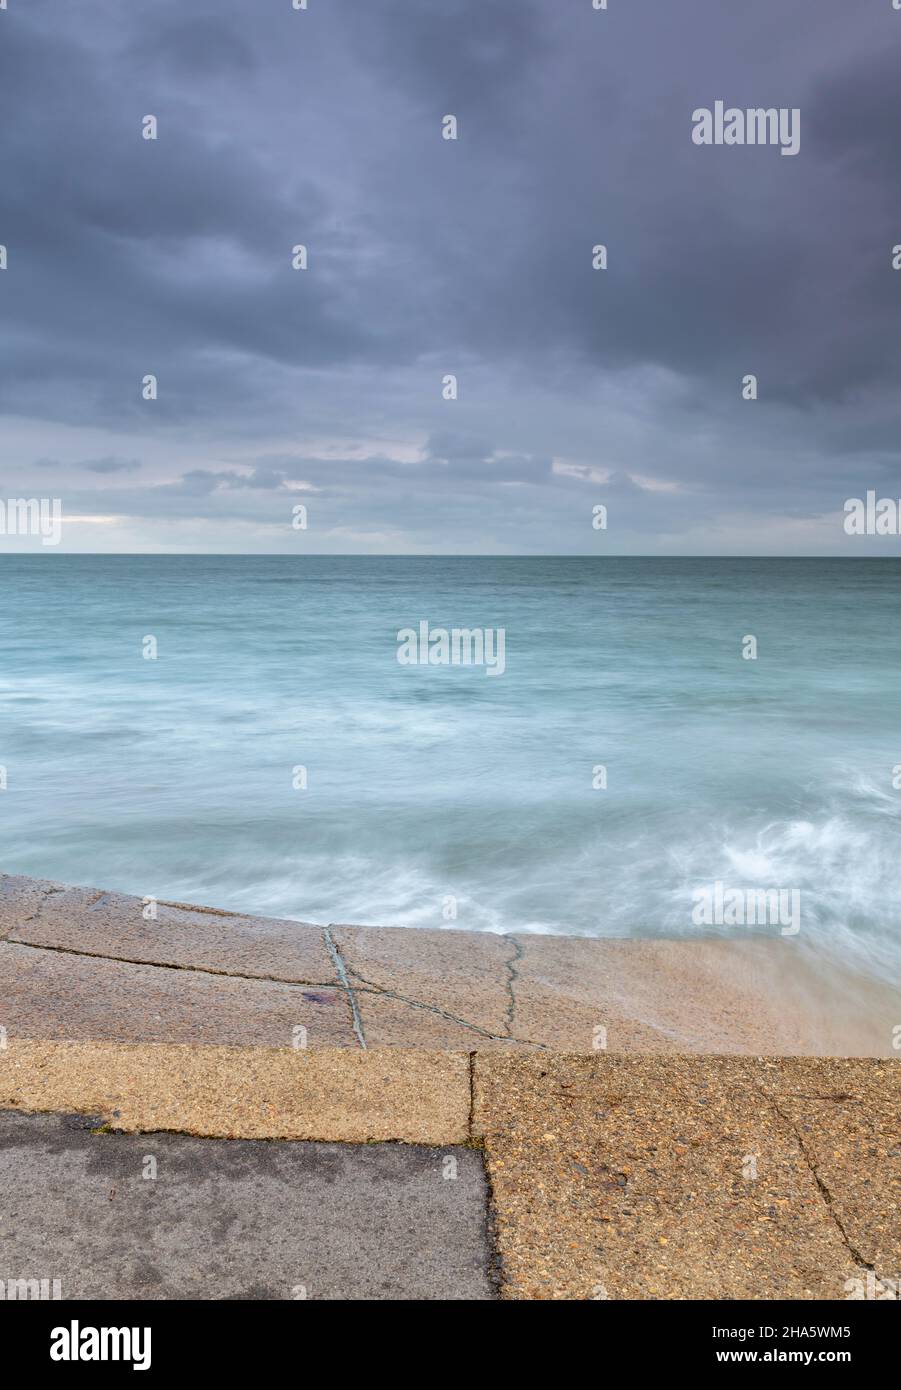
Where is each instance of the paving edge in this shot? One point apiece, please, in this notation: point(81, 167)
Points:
point(411, 1095)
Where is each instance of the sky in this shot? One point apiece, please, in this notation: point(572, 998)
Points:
point(428, 257)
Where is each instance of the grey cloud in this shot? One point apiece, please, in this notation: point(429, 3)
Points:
point(197, 46)
point(110, 465)
point(129, 257)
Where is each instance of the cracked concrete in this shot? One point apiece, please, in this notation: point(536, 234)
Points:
point(107, 965)
point(456, 976)
point(341, 971)
point(125, 928)
point(824, 1190)
point(640, 1177)
point(512, 974)
point(391, 1026)
point(51, 994)
point(847, 1119)
point(610, 1176)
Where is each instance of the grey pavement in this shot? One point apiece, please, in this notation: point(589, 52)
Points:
point(226, 1219)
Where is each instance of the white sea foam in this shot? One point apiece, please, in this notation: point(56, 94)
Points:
point(173, 777)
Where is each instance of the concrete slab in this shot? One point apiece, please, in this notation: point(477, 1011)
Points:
point(238, 1219)
point(657, 1177)
point(246, 1092)
point(51, 994)
point(20, 899)
point(388, 1021)
point(613, 1176)
point(415, 988)
point(847, 1119)
point(465, 974)
point(113, 925)
point(708, 996)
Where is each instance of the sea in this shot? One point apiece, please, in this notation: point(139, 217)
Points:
point(239, 731)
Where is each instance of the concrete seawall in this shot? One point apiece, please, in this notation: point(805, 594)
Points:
point(80, 963)
point(639, 1169)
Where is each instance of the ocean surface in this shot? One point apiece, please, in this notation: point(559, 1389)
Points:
point(434, 790)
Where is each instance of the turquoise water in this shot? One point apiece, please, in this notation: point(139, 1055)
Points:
point(174, 777)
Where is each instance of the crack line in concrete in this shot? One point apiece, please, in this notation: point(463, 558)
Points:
point(826, 1195)
point(170, 965)
point(512, 977)
point(341, 969)
point(337, 961)
point(222, 912)
point(370, 987)
point(496, 1271)
point(834, 1095)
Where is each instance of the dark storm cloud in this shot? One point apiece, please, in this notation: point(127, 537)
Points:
point(195, 46)
point(129, 256)
point(471, 59)
point(173, 257)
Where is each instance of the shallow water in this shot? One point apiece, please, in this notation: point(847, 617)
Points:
point(174, 777)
